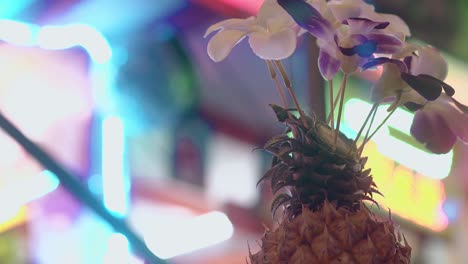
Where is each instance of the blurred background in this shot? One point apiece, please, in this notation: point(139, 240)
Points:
point(124, 95)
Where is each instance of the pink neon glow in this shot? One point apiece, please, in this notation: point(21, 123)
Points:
point(251, 6)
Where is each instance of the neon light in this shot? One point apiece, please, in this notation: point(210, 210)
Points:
point(13, 201)
point(116, 183)
point(175, 236)
point(9, 9)
point(9, 220)
point(430, 165)
point(250, 6)
point(17, 33)
point(66, 36)
point(119, 251)
point(412, 196)
point(31, 188)
point(412, 188)
point(57, 37)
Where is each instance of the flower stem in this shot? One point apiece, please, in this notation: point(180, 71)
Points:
point(383, 122)
point(377, 129)
point(288, 85)
point(364, 141)
point(332, 106)
point(372, 111)
point(278, 85)
point(340, 108)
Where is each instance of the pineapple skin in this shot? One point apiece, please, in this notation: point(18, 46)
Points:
point(333, 235)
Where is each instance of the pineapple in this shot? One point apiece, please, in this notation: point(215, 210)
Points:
point(322, 187)
point(317, 173)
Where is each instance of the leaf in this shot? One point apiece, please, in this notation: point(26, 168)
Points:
point(366, 172)
point(281, 113)
point(278, 174)
point(278, 139)
point(278, 201)
point(447, 88)
point(269, 173)
point(280, 185)
point(429, 88)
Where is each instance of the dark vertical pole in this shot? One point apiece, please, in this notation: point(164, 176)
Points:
point(81, 193)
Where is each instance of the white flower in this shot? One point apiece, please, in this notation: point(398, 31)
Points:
point(272, 34)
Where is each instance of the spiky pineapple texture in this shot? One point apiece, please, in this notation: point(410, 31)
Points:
point(314, 169)
point(322, 185)
point(333, 235)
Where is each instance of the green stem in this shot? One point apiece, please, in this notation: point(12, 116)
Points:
point(373, 110)
point(288, 85)
point(340, 108)
point(277, 83)
point(332, 106)
point(377, 129)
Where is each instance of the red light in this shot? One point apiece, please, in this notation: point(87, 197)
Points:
point(251, 6)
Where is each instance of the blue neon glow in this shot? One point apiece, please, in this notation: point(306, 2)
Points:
point(9, 9)
point(116, 183)
point(430, 165)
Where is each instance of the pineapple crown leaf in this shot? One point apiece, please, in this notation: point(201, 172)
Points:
point(279, 200)
point(305, 162)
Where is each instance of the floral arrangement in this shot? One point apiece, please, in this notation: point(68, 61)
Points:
point(318, 170)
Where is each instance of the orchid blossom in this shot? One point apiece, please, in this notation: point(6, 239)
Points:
point(346, 33)
point(411, 77)
point(351, 35)
point(414, 77)
point(439, 123)
point(272, 34)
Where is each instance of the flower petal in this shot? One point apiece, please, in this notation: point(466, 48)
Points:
point(359, 25)
point(221, 44)
point(456, 119)
point(429, 88)
point(389, 84)
point(343, 10)
point(307, 17)
point(447, 88)
point(328, 65)
point(386, 44)
point(273, 46)
point(397, 26)
point(370, 63)
point(273, 17)
point(432, 130)
point(429, 62)
point(233, 23)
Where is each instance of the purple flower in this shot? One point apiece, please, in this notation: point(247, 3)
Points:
point(439, 123)
point(413, 76)
point(346, 33)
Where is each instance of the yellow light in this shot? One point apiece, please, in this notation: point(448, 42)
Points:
point(409, 195)
point(15, 220)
